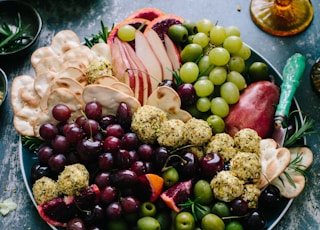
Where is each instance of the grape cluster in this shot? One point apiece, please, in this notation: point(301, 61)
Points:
point(213, 64)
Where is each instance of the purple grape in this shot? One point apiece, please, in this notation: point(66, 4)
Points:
point(48, 131)
point(61, 112)
point(270, 198)
point(124, 178)
point(115, 130)
point(95, 215)
point(161, 155)
point(44, 153)
point(108, 194)
point(107, 120)
point(112, 144)
point(76, 224)
point(146, 152)
point(124, 115)
point(187, 94)
point(169, 83)
point(130, 204)
point(114, 210)
point(239, 207)
point(93, 110)
point(68, 126)
point(91, 127)
point(191, 167)
point(102, 179)
point(80, 121)
point(74, 134)
point(211, 164)
point(57, 162)
point(129, 141)
point(124, 158)
point(255, 221)
point(105, 161)
point(60, 144)
point(89, 149)
point(37, 171)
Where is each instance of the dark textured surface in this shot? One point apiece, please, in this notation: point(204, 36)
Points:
point(84, 18)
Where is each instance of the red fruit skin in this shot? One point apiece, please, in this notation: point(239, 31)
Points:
point(255, 109)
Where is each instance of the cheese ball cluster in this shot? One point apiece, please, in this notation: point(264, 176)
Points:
point(242, 152)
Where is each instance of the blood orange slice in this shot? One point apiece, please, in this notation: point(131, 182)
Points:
point(59, 211)
point(138, 23)
point(177, 194)
point(161, 24)
point(151, 186)
point(146, 13)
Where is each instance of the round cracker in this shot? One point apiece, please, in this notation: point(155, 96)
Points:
point(50, 63)
point(102, 51)
point(17, 86)
point(41, 53)
point(63, 41)
point(63, 82)
point(42, 82)
point(168, 100)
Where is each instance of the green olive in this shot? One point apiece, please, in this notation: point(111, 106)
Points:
point(148, 209)
point(221, 209)
point(178, 33)
point(184, 221)
point(170, 176)
point(234, 225)
point(148, 223)
point(203, 192)
point(258, 71)
point(212, 221)
point(190, 26)
point(216, 123)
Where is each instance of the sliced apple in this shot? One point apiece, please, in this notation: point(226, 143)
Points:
point(139, 83)
point(145, 53)
point(173, 53)
point(160, 51)
point(147, 88)
point(128, 74)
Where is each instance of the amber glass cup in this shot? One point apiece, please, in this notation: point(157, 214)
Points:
point(282, 17)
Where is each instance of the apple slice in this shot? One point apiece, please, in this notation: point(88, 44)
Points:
point(127, 72)
point(145, 53)
point(147, 89)
point(173, 53)
point(139, 83)
point(160, 51)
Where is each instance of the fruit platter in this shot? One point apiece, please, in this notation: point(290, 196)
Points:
point(157, 123)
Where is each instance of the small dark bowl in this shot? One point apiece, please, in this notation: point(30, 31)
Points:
point(3, 86)
point(29, 15)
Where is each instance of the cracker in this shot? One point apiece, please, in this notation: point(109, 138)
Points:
point(64, 40)
point(168, 100)
point(274, 161)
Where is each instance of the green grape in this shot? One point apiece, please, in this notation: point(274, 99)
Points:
point(217, 35)
point(232, 44)
point(205, 25)
point(126, 33)
point(203, 104)
point(244, 52)
point(219, 56)
point(236, 63)
point(237, 79)
point(201, 39)
point(189, 72)
point(232, 31)
point(205, 66)
point(218, 75)
point(203, 87)
point(191, 52)
point(216, 123)
point(219, 107)
point(230, 92)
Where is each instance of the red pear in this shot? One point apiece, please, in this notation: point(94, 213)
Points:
point(255, 109)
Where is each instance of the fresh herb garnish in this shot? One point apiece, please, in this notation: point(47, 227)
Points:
point(101, 36)
point(297, 167)
point(306, 128)
point(13, 37)
point(31, 143)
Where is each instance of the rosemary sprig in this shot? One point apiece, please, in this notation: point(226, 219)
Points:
point(306, 128)
point(101, 36)
point(31, 143)
point(13, 39)
point(296, 166)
